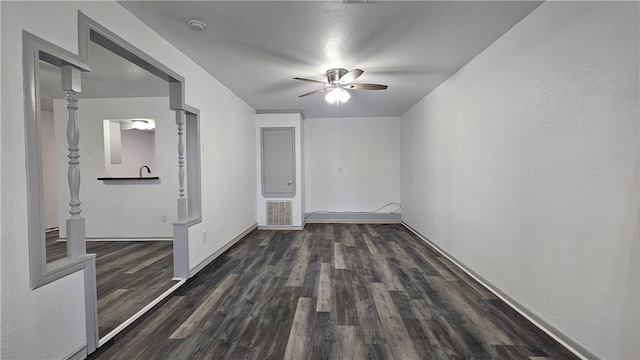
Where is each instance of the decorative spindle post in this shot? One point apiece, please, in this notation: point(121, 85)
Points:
point(182, 201)
point(76, 241)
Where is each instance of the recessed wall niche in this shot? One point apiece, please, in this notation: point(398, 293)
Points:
point(129, 147)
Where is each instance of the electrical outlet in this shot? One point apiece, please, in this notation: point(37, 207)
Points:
point(204, 236)
point(163, 218)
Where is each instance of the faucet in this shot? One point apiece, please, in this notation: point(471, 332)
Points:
point(142, 167)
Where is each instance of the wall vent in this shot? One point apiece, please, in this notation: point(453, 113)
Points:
point(279, 213)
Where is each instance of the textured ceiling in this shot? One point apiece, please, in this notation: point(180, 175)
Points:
point(111, 77)
point(256, 48)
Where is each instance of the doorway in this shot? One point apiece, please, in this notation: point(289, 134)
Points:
point(61, 259)
point(130, 223)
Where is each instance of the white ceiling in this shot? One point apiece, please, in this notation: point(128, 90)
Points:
point(256, 48)
point(111, 77)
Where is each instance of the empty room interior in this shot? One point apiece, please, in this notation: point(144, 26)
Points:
point(320, 180)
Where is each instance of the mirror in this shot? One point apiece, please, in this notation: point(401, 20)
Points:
point(129, 147)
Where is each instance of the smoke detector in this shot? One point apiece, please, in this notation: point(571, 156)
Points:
point(197, 25)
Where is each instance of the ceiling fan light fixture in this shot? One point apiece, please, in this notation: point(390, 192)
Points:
point(344, 96)
point(142, 124)
point(197, 25)
point(337, 95)
point(338, 80)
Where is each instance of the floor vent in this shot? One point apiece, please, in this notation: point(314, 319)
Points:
point(279, 213)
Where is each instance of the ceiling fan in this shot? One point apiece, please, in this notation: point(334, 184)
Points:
point(338, 82)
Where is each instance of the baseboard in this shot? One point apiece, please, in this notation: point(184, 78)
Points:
point(352, 217)
point(280, 227)
point(208, 260)
point(124, 239)
point(530, 315)
point(79, 354)
point(52, 232)
point(140, 313)
point(132, 239)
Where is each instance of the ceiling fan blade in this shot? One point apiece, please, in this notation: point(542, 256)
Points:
point(350, 76)
point(367, 86)
point(309, 80)
point(314, 92)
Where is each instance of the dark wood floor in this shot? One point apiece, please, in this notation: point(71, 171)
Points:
point(339, 291)
point(130, 275)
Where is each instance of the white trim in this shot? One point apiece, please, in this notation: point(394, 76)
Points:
point(180, 251)
point(213, 256)
point(280, 227)
point(91, 305)
point(124, 239)
point(537, 320)
point(132, 239)
point(352, 218)
point(290, 111)
point(80, 353)
point(51, 229)
point(137, 315)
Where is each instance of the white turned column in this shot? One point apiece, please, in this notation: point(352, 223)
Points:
point(76, 241)
point(182, 201)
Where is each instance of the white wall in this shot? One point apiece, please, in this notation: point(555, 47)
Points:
point(116, 209)
point(352, 164)
point(524, 166)
point(48, 323)
point(296, 121)
point(228, 172)
point(138, 148)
